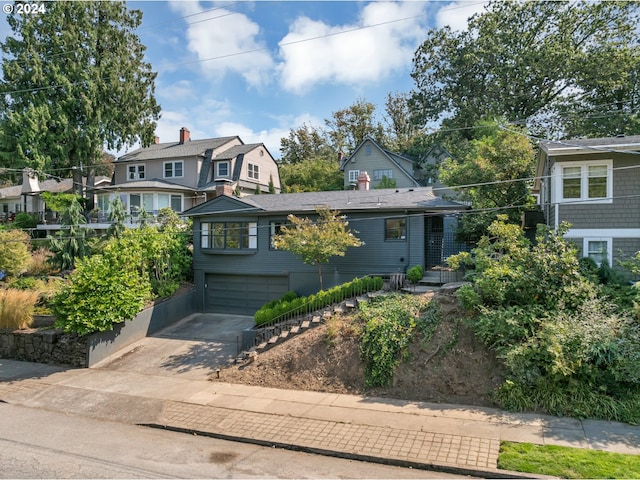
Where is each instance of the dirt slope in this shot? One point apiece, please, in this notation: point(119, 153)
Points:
point(453, 367)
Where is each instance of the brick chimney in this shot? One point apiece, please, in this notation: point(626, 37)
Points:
point(156, 140)
point(363, 181)
point(185, 135)
point(224, 189)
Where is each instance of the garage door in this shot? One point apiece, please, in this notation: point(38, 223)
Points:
point(243, 294)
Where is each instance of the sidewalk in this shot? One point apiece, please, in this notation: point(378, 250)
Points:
point(450, 438)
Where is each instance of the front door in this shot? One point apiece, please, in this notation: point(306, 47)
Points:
point(434, 238)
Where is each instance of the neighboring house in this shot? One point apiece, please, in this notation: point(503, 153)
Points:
point(380, 163)
point(26, 197)
point(188, 172)
point(594, 184)
point(237, 270)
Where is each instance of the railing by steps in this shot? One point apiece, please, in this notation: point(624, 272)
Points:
point(295, 321)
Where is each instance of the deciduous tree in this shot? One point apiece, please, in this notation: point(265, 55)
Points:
point(493, 175)
point(316, 242)
point(523, 60)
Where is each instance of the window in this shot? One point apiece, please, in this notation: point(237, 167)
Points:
point(222, 169)
point(395, 229)
point(353, 176)
point(253, 171)
point(378, 174)
point(176, 203)
point(585, 181)
point(173, 169)
point(135, 172)
point(275, 228)
point(229, 235)
point(367, 150)
point(597, 249)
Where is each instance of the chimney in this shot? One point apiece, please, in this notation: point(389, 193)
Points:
point(363, 181)
point(156, 140)
point(184, 135)
point(224, 189)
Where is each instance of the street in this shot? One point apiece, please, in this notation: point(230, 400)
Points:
point(36, 443)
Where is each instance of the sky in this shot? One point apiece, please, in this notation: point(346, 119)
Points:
point(258, 69)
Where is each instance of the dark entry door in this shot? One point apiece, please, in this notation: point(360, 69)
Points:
point(434, 233)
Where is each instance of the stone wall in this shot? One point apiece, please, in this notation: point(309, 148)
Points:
point(44, 346)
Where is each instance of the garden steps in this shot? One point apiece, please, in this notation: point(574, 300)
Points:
point(282, 333)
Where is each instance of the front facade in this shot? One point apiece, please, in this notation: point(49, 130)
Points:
point(186, 173)
point(237, 269)
point(380, 163)
point(594, 184)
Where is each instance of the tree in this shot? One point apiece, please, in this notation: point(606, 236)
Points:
point(349, 127)
point(117, 216)
point(74, 81)
point(70, 242)
point(316, 242)
point(14, 252)
point(312, 175)
point(304, 143)
point(526, 59)
point(402, 129)
point(493, 175)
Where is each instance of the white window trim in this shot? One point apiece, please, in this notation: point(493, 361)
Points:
point(353, 175)
point(218, 175)
point(557, 184)
point(136, 176)
point(609, 240)
point(173, 164)
point(253, 171)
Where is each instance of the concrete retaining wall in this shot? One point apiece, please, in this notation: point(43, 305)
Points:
point(104, 344)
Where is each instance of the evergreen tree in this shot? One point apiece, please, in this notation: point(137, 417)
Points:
point(74, 80)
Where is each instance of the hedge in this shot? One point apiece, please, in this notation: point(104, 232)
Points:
point(291, 305)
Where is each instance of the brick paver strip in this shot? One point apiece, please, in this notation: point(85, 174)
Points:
point(392, 443)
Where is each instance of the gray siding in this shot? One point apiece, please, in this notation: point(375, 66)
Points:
point(623, 212)
point(377, 256)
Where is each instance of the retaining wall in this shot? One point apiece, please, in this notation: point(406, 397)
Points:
point(54, 346)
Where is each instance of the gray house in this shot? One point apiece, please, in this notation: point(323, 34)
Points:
point(237, 270)
point(185, 173)
point(594, 184)
point(406, 171)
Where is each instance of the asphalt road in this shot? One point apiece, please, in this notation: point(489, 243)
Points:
point(41, 444)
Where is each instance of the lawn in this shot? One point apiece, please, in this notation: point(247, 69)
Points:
point(565, 462)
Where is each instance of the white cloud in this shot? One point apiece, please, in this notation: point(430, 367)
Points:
point(270, 138)
point(456, 14)
point(218, 38)
point(363, 52)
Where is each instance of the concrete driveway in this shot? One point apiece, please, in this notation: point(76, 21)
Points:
point(192, 348)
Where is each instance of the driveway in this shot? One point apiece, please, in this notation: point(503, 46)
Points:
point(193, 348)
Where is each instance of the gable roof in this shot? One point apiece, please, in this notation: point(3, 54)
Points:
point(421, 199)
point(191, 148)
point(402, 162)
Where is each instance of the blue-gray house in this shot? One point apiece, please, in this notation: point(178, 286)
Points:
point(237, 270)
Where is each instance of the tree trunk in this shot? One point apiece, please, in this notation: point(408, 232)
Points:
point(320, 274)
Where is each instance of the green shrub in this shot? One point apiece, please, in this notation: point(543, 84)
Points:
point(103, 290)
point(389, 325)
point(25, 221)
point(14, 252)
point(469, 298)
point(415, 273)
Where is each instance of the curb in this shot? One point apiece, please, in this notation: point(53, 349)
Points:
point(433, 467)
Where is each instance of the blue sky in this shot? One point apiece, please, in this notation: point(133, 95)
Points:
point(258, 69)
